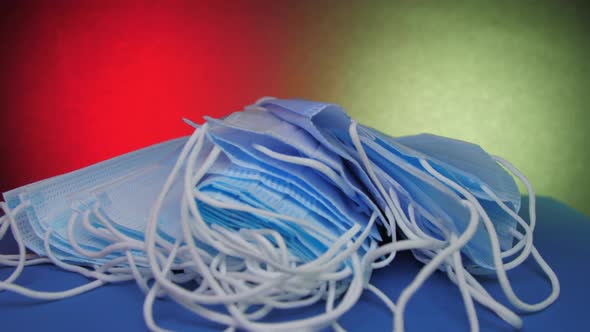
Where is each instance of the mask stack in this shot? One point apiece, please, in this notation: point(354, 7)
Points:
point(280, 206)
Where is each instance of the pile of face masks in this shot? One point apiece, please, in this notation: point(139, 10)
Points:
point(280, 206)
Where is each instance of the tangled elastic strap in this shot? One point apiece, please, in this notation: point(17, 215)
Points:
point(251, 276)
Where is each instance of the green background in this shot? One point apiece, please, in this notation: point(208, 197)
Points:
point(512, 77)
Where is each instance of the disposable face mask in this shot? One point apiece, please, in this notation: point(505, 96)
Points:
point(240, 145)
point(298, 190)
point(262, 122)
point(283, 187)
point(124, 188)
point(328, 122)
point(444, 213)
point(312, 117)
point(465, 162)
point(468, 164)
point(308, 152)
point(305, 244)
point(279, 207)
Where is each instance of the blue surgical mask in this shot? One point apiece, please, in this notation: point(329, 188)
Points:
point(239, 146)
point(305, 151)
point(304, 243)
point(442, 212)
point(467, 164)
point(223, 169)
point(263, 122)
point(314, 118)
point(124, 187)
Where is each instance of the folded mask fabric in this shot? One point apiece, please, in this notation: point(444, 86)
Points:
point(283, 205)
point(241, 146)
point(54, 201)
point(330, 123)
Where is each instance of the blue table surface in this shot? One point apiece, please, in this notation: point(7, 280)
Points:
point(562, 236)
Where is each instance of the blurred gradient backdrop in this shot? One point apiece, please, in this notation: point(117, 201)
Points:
point(83, 81)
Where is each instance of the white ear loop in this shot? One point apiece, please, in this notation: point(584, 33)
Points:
point(353, 132)
point(463, 288)
point(236, 313)
point(239, 208)
point(436, 261)
point(4, 224)
point(408, 218)
point(527, 240)
point(429, 268)
point(330, 174)
point(102, 278)
point(330, 303)
point(11, 222)
point(141, 276)
point(484, 298)
point(401, 216)
point(197, 212)
point(52, 295)
point(500, 270)
point(389, 199)
point(308, 162)
point(124, 244)
point(204, 198)
point(159, 275)
point(149, 301)
point(390, 219)
point(118, 246)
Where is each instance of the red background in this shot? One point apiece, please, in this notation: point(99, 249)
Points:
point(81, 82)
